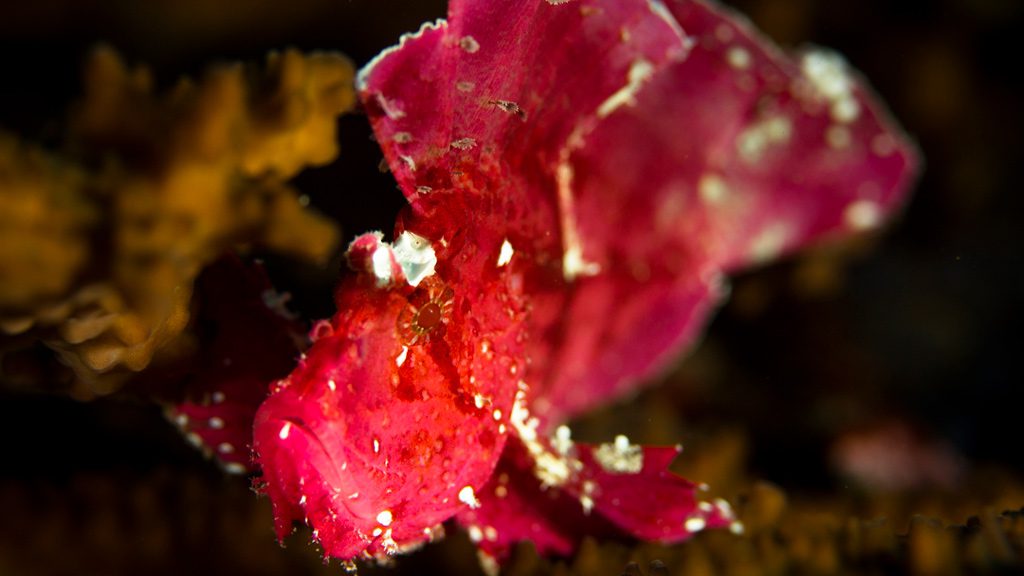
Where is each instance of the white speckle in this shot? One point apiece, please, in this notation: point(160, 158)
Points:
point(505, 256)
point(235, 468)
point(621, 457)
point(500, 491)
point(695, 524)
point(496, 414)
point(587, 503)
point(225, 448)
point(845, 110)
point(409, 162)
point(377, 531)
point(712, 188)
point(838, 137)
point(416, 257)
point(403, 137)
point(827, 73)
point(376, 446)
point(469, 44)
point(463, 144)
point(883, 145)
point(402, 356)
point(390, 109)
point(769, 243)
point(384, 518)
point(478, 400)
point(283, 434)
point(562, 442)
point(468, 497)
point(573, 264)
point(302, 501)
point(639, 73)
point(736, 528)
point(501, 428)
point(181, 420)
point(332, 385)
point(862, 215)
point(381, 260)
point(705, 507)
point(475, 534)
point(557, 2)
point(752, 142)
point(738, 57)
point(194, 439)
point(490, 533)
point(217, 397)
point(464, 86)
point(216, 423)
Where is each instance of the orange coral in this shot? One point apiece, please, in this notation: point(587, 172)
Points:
point(100, 249)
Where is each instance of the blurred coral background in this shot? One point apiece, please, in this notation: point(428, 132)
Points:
point(851, 402)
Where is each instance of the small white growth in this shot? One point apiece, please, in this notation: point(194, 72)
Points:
point(181, 420)
point(376, 446)
point(827, 73)
point(409, 162)
point(468, 497)
point(505, 256)
point(845, 110)
point(402, 356)
point(557, 2)
point(496, 414)
point(464, 144)
point(302, 501)
point(285, 430)
point(479, 400)
point(385, 518)
point(416, 257)
point(382, 264)
point(639, 73)
point(235, 468)
point(752, 142)
point(573, 264)
point(217, 397)
point(562, 442)
point(225, 448)
point(403, 137)
point(332, 385)
point(216, 423)
point(389, 108)
point(695, 524)
point(769, 243)
point(712, 188)
point(490, 533)
point(620, 457)
point(738, 57)
point(862, 215)
point(469, 44)
point(736, 527)
point(475, 534)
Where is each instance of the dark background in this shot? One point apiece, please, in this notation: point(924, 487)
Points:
point(919, 327)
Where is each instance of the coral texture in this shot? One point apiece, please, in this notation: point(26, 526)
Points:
point(102, 242)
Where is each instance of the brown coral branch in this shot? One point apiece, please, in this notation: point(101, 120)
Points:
point(101, 244)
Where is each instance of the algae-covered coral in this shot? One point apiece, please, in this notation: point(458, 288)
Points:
point(103, 238)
